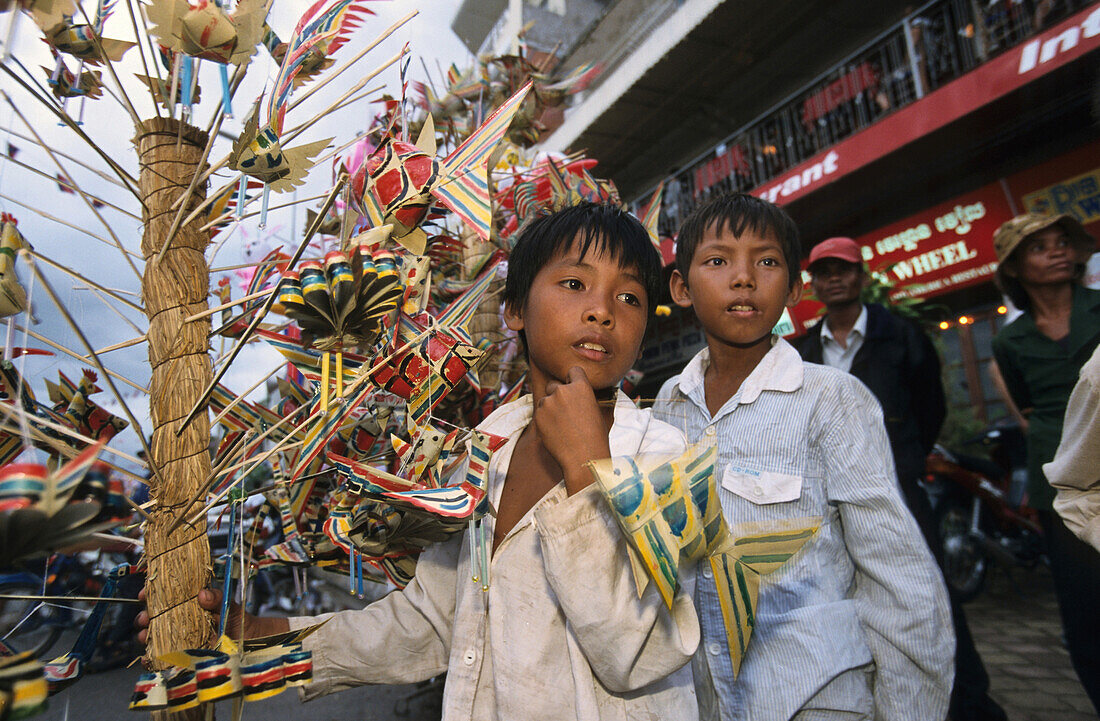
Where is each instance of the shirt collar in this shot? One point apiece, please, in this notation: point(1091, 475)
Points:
point(860, 326)
point(779, 370)
point(625, 437)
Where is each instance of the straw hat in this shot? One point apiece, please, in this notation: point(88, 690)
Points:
point(1013, 232)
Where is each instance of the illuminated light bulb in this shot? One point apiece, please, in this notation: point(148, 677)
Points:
point(944, 325)
point(1002, 310)
point(963, 320)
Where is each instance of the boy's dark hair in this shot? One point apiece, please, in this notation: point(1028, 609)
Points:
point(740, 212)
point(600, 228)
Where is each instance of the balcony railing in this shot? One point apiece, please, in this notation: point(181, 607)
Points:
point(929, 48)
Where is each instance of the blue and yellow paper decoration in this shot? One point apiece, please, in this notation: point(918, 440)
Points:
point(671, 516)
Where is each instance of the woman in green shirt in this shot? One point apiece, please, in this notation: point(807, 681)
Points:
point(1040, 261)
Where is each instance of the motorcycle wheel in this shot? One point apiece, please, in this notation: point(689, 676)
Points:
point(964, 560)
point(26, 625)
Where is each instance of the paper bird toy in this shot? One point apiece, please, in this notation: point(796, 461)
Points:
point(205, 30)
point(85, 42)
point(13, 299)
point(670, 514)
point(65, 84)
point(319, 55)
point(398, 183)
point(258, 152)
point(73, 403)
point(386, 520)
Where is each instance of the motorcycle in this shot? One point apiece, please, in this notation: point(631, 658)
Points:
point(32, 625)
point(980, 510)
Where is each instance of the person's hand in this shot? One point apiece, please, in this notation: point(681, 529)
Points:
point(572, 428)
point(237, 625)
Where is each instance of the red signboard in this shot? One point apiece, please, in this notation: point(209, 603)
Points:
point(835, 94)
point(1005, 73)
point(941, 249)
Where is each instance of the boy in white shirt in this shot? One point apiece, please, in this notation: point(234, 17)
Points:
point(561, 632)
point(855, 626)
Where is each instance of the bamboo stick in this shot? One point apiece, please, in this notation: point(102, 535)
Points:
point(74, 354)
point(80, 192)
point(65, 119)
point(201, 403)
point(223, 306)
point(65, 183)
point(123, 344)
point(105, 176)
point(95, 360)
point(336, 73)
point(66, 223)
point(84, 279)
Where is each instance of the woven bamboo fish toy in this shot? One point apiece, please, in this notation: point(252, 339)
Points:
point(258, 151)
point(670, 514)
point(259, 669)
point(399, 182)
point(37, 510)
point(85, 42)
point(23, 688)
point(13, 299)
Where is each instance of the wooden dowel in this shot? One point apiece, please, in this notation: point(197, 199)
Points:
point(267, 305)
point(74, 354)
point(99, 364)
point(223, 306)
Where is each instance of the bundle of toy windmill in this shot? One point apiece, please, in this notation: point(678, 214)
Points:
point(386, 313)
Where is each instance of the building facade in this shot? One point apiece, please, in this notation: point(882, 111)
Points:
point(916, 130)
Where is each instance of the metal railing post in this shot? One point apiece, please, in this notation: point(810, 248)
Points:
point(914, 64)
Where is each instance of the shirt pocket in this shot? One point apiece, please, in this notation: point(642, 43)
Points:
point(762, 487)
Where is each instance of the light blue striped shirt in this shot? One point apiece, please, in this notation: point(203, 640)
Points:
point(858, 620)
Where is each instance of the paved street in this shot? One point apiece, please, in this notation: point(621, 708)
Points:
point(1015, 624)
point(1016, 628)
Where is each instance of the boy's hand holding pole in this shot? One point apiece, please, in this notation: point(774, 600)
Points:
point(238, 626)
point(572, 428)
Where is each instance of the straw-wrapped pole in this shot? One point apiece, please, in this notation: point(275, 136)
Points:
point(174, 288)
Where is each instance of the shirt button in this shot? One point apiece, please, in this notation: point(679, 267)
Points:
point(714, 649)
point(469, 658)
point(706, 572)
point(758, 491)
point(710, 431)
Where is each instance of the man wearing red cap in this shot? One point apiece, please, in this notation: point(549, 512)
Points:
point(899, 365)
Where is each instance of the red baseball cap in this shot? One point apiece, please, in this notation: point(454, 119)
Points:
point(844, 249)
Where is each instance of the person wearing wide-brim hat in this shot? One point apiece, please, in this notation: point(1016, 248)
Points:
point(1040, 261)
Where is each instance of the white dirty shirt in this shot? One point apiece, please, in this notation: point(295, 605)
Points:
point(561, 633)
point(858, 620)
point(831, 352)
